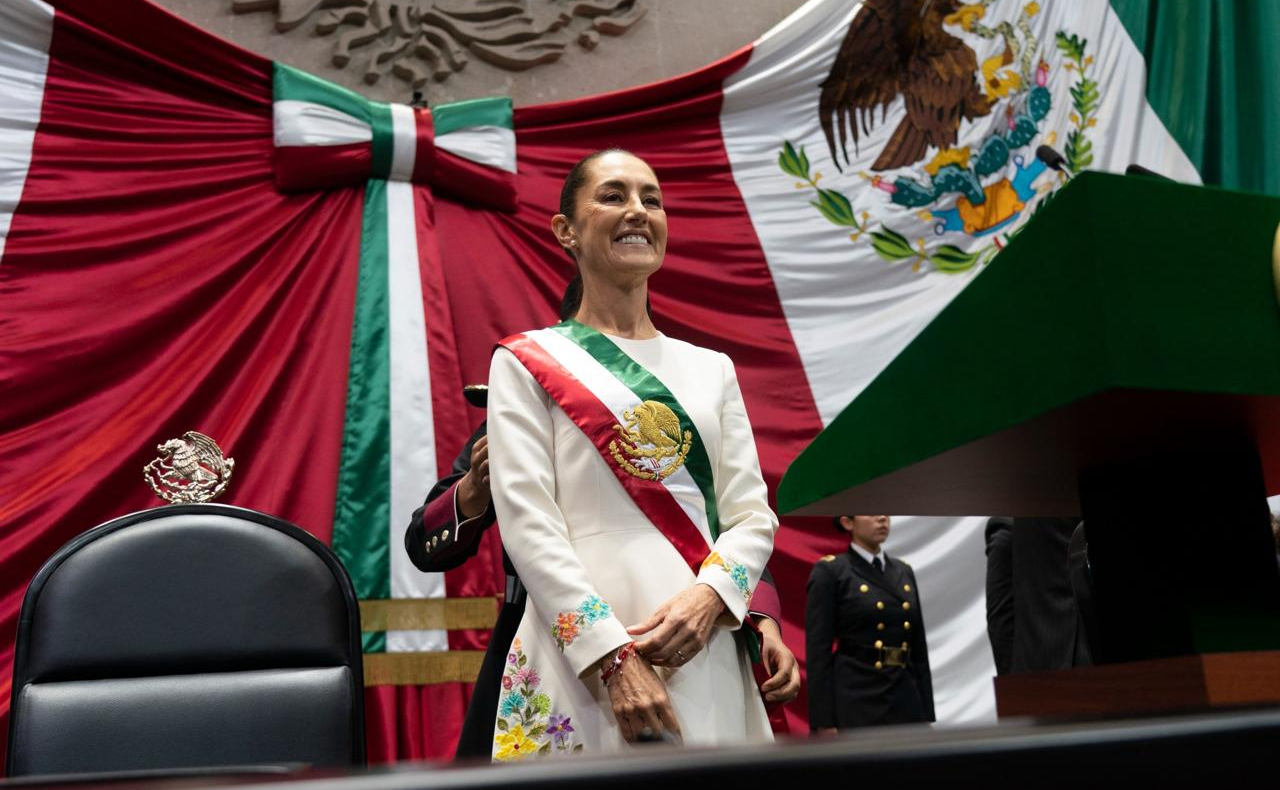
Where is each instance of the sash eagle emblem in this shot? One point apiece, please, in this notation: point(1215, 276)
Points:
point(652, 446)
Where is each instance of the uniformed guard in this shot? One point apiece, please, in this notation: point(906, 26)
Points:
point(864, 635)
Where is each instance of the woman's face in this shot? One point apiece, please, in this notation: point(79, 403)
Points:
point(620, 227)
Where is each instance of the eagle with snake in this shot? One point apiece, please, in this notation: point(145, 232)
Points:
point(899, 48)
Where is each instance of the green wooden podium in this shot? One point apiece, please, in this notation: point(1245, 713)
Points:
point(1119, 360)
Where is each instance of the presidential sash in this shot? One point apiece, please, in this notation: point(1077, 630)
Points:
point(641, 431)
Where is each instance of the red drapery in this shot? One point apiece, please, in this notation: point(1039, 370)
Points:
point(154, 281)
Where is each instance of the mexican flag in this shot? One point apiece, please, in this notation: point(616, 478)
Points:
point(195, 238)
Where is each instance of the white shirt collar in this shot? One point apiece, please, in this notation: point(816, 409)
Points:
point(868, 556)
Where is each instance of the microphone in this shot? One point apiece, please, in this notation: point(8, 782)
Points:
point(1139, 170)
point(1053, 160)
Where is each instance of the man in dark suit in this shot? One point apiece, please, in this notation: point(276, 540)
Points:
point(864, 635)
point(446, 531)
point(1033, 621)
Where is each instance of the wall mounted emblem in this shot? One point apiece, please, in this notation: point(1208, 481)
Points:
point(417, 40)
point(190, 469)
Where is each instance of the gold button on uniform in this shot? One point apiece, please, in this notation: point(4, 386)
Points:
point(906, 604)
point(907, 587)
point(879, 604)
point(879, 626)
point(906, 624)
point(879, 665)
point(444, 535)
point(879, 644)
point(905, 645)
point(435, 541)
point(864, 588)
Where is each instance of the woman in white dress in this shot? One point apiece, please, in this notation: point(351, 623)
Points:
point(629, 498)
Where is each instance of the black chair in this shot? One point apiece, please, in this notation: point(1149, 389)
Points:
point(187, 636)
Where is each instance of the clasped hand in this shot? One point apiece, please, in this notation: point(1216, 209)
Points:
point(675, 633)
point(679, 628)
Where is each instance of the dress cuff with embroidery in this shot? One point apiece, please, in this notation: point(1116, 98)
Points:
point(731, 582)
point(586, 633)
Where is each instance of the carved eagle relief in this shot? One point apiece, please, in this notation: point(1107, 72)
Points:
point(893, 48)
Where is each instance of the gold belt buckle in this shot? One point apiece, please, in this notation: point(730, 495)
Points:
point(894, 656)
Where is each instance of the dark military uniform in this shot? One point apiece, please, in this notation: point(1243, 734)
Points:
point(864, 636)
point(434, 546)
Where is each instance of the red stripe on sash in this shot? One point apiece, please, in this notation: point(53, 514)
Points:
point(424, 160)
point(597, 421)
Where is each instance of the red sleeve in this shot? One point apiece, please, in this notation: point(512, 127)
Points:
point(765, 602)
point(439, 511)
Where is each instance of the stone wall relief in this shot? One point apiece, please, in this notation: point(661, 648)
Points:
point(417, 40)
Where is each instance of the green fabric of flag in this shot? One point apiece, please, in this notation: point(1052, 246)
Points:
point(363, 506)
point(1213, 77)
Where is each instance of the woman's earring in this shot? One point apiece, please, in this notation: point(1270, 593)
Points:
point(573, 242)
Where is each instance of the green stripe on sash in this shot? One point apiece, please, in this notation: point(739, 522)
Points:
point(363, 508)
point(646, 386)
point(494, 111)
point(383, 142)
point(293, 84)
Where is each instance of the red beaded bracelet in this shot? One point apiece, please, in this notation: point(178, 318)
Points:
point(618, 658)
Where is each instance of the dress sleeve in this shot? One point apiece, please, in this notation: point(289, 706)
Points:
point(523, 483)
point(747, 523)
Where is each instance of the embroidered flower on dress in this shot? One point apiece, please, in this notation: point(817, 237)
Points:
point(541, 703)
point(527, 676)
point(558, 728)
point(565, 629)
point(594, 609)
point(515, 745)
point(569, 625)
point(526, 724)
point(512, 702)
point(736, 571)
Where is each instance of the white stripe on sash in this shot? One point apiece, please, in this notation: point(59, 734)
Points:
point(297, 123)
point(404, 142)
point(494, 146)
point(413, 447)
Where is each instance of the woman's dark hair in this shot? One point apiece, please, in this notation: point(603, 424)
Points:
point(572, 298)
point(569, 207)
point(578, 176)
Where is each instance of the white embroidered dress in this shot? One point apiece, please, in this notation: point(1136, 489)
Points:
point(594, 564)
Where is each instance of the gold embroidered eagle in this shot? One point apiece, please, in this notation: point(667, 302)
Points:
point(898, 47)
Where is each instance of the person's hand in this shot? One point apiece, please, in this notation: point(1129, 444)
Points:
point(679, 628)
point(784, 673)
point(639, 699)
point(473, 488)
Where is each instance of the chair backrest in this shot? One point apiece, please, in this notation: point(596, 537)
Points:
point(184, 636)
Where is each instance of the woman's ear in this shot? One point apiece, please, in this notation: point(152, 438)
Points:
point(564, 233)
